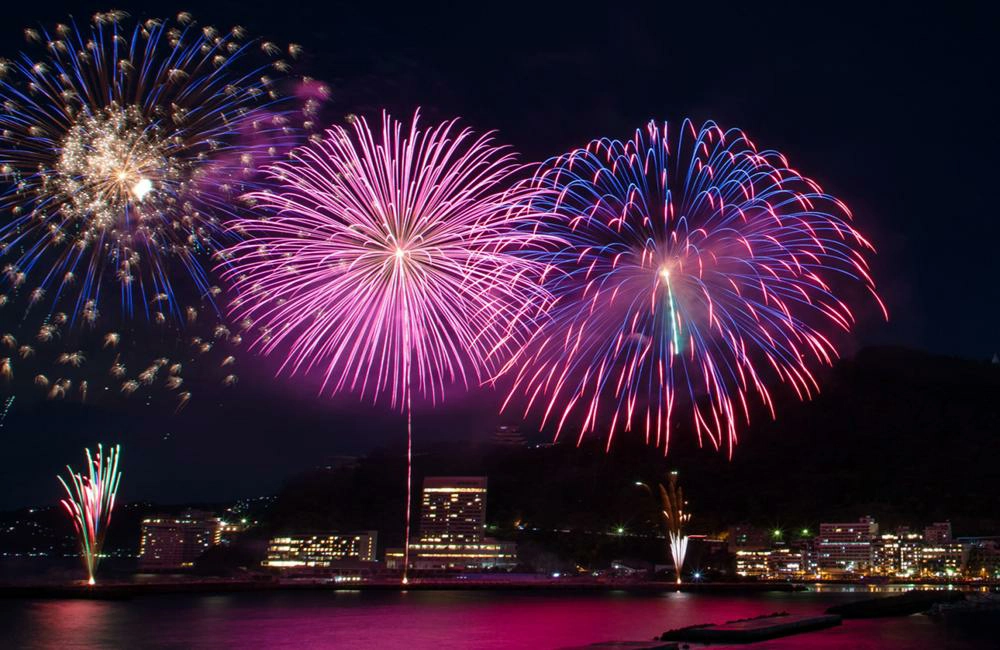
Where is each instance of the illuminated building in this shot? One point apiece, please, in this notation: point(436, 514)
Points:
point(846, 547)
point(942, 559)
point(931, 555)
point(320, 551)
point(910, 547)
point(897, 554)
point(886, 555)
point(229, 530)
point(938, 533)
point(842, 549)
point(453, 509)
point(773, 563)
point(786, 563)
point(175, 542)
point(452, 526)
point(488, 554)
point(983, 557)
point(752, 563)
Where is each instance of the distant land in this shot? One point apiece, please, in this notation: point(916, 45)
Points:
point(905, 436)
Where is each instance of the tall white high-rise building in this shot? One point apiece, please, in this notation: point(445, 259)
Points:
point(846, 546)
point(452, 530)
point(453, 510)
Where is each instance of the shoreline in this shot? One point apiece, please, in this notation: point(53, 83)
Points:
point(122, 590)
point(125, 591)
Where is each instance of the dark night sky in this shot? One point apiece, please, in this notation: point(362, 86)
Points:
point(891, 109)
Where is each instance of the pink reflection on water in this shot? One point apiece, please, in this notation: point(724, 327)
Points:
point(466, 619)
point(68, 623)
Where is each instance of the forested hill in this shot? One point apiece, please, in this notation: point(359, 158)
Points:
point(905, 436)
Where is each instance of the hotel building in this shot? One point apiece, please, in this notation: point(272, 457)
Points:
point(452, 529)
point(846, 547)
point(938, 533)
point(857, 548)
point(752, 563)
point(983, 559)
point(320, 551)
point(942, 559)
point(175, 542)
point(453, 510)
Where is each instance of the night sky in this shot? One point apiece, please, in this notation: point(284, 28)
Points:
point(892, 110)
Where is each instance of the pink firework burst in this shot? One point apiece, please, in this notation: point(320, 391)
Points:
point(389, 260)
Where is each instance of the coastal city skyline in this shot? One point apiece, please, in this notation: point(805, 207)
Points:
point(451, 538)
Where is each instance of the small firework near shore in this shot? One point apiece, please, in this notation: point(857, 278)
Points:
point(90, 498)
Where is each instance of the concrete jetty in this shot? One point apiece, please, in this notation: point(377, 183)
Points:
point(912, 602)
point(752, 629)
point(628, 645)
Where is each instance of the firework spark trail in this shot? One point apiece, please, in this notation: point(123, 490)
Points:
point(9, 402)
point(90, 501)
point(92, 364)
point(122, 148)
point(699, 271)
point(675, 519)
point(386, 262)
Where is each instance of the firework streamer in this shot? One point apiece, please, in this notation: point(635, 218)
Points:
point(90, 498)
point(385, 265)
point(699, 270)
point(124, 146)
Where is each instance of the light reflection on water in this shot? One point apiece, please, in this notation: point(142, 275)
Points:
point(436, 619)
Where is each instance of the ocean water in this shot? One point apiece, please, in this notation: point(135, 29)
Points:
point(441, 619)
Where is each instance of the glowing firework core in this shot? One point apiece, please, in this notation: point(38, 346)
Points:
point(107, 166)
point(141, 188)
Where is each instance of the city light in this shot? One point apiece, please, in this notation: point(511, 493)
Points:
point(856, 550)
